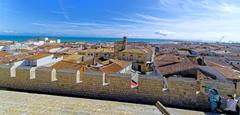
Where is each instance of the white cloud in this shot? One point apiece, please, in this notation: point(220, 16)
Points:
point(63, 10)
point(170, 19)
point(165, 33)
point(8, 31)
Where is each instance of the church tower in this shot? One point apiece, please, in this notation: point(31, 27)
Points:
point(120, 46)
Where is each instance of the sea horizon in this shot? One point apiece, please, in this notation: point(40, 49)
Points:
point(21, 38)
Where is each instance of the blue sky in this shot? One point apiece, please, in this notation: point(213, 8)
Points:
point(209, 20)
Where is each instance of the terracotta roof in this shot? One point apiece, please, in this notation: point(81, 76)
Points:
point(226, 71)
point(218, 60)
point(5, 43)
point(38, 56)
point(121, 63)
point(14, 58)
point(73, 57)
point(111, 68)
point(166, 59)
point(184, 65)
point(90, 50)
point(3, 54)
point(115, 66)
point(67, 65)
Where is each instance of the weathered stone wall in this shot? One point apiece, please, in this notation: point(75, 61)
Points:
point(182, 92)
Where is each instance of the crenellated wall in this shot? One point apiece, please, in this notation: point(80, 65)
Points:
point(182, 92)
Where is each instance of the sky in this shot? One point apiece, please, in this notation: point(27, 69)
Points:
point(201, 20)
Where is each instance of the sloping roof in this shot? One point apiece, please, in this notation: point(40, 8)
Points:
point(115, 66)
point(212, 73)
point(121, 63)
point(38, 56)
point(3, 54)
point(67, 65)
point(98, 50)
point(166, 59)
point(14, 58)
point(5, 43)
point(184, 65)
point(217, 60)
point(179, 67)
point(226, 71)
point(73, 57)
point(111, 68)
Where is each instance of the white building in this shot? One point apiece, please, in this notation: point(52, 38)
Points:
point(14, 47)
point(43, 41)
point(42, 59)
point(53, 49)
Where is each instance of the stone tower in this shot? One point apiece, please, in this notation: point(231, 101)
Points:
point(120, 46)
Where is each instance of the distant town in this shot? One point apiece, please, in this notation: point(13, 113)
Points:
point(168, 59)
point(180, 70)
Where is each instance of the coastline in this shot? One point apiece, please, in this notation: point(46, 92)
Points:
point(21, 38)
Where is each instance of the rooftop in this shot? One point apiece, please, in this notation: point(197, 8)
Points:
point(139, 51)
point(115, 66)
point(14, 58)
point(3, 54)
point(99, 50)
point(73, 57)
point(226, 71)
point(167, 59)
point(173, 66)
point(38, 56)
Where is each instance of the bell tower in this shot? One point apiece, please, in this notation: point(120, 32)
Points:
point(120, 46)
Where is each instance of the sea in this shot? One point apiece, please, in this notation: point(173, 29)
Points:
point(22, 38)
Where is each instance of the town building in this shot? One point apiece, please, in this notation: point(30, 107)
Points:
point(142, 58)
point(41, 59)
point(116, 66)
point(106, 53)
point(120, 46)
point(13, 48)
point(171, 64)
point(43, 41)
